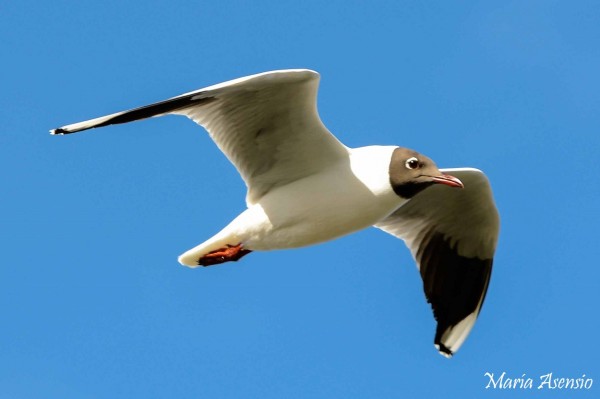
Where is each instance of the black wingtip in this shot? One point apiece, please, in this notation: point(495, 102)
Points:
point(443, 349)
point(58, 131)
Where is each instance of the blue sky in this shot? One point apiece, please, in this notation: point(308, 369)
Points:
point(94, 303)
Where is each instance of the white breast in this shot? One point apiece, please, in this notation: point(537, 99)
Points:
point(352, 195)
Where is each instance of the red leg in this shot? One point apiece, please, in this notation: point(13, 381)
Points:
point(230, 253)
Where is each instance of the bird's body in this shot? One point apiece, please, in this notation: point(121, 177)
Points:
point(305, 187)
point(314, 209)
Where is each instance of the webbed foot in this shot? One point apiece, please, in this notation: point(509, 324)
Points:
point(230, 253)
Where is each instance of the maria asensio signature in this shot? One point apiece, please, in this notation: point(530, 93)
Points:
point(546, 381)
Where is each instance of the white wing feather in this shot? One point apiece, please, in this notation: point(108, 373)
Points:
point(266, 124)
point(452, 235)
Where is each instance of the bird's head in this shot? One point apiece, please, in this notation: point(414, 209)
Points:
point(411, 173)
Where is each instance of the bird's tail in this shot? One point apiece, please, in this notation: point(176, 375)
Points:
point(223, 240)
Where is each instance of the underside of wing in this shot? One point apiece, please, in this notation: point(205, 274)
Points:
point(269, 128)
point(452, 234)
point(266, 124)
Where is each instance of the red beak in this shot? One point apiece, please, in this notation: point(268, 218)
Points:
point(448, 180)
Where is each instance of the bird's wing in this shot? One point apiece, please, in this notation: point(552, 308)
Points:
point(267, 125)
point(452, 234)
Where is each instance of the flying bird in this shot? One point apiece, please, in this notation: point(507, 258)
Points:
point(306, 187)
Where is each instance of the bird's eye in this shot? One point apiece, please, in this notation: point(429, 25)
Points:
point(412, 163)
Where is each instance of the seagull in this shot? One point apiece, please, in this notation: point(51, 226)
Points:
point(305, 187)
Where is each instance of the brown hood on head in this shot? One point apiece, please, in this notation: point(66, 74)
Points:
point(411, 172)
